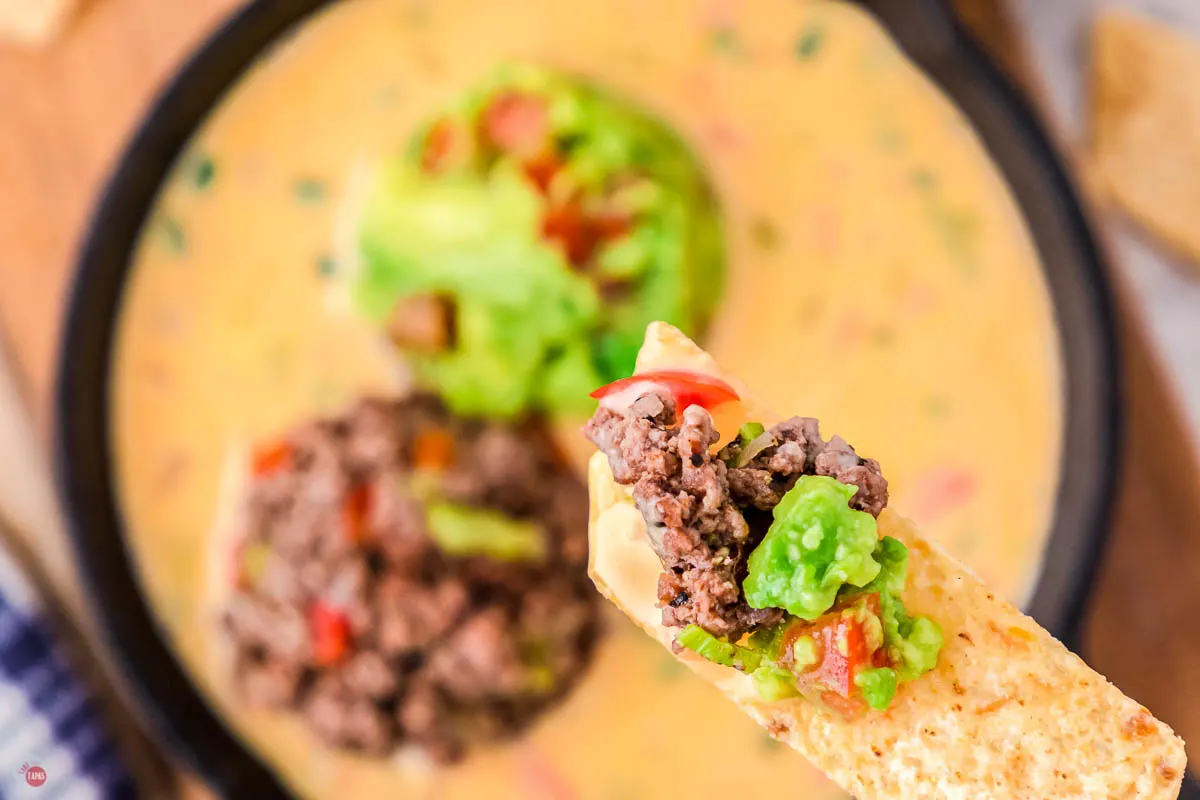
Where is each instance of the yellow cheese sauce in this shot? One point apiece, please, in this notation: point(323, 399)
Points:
point(880, 279)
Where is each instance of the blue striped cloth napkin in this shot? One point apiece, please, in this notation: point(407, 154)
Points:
point(54, 744)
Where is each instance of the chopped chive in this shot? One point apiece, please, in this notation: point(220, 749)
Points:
point(326, 265)
point(923, 178)
point(570, 141)
point(387, 96)
point(203, 170)
point(809, 42)
point(937, 406)
point(725, 40)
point(890, 140)
point(959, 231)
point(172, 234)
point(416, 14)
point(764, 233)
point(669, 669)
point(309, 190)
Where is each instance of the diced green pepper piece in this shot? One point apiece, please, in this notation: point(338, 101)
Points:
point(727, 654)
point(751, 431)
point(462, 531)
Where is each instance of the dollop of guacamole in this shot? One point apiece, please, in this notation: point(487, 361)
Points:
point(557, 221)
point(824, 563)
point(816, 545)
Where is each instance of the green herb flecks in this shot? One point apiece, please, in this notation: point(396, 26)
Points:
point(416, 14)
point(201, 172)
point(326, 265)
point(923, 178)
point(726, 41)
point(770, 743)
point(936, 406)
point(764, 234)
point(388, 96)
point(883, 337)
point(170, 231)
point(957, 228)
point(808, 44)
point(309, 191)
point(670, 669)
point(891, 140)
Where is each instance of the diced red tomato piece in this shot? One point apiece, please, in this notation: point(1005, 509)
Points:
point(611, 225)
point(566, 224)
point(579, 233)
point(330, 633)
point(433, 450)
point(355, 509)
point(270, 457)
point(843, 652)
point(443, 137)
point(541, 780)
point(542, 168)
point(688, 388)
point(941, 490)
point(517, 123)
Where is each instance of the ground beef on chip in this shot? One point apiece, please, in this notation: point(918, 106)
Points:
point(348, 611)
point(705, 513)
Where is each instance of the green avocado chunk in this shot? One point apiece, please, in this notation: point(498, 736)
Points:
point(816, 545)
point(912, 643)
point(878, 685)
point(464, 532)
point(533, 330)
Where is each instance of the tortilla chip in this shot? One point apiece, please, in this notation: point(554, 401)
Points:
point(1008, 712)
point(33, 22)
point(1146, 125)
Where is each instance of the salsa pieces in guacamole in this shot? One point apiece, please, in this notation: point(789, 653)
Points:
point(521, 246)
point(772, 563)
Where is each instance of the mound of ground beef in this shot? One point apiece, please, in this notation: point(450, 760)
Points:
point(703, 516)
point(347, 611)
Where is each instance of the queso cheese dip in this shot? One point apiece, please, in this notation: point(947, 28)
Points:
point(871, 245)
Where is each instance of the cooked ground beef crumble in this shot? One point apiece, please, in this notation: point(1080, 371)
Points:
point(348, 612)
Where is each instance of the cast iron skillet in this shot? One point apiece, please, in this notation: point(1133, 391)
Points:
point(926, 30)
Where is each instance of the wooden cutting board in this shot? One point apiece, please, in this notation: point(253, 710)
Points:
point(66, 111)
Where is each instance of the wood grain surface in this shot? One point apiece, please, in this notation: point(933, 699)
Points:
point(66, 110)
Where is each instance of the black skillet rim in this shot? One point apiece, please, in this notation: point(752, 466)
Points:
point(85, 478)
